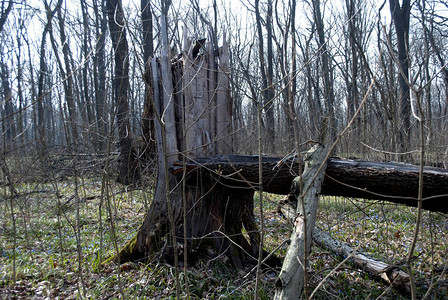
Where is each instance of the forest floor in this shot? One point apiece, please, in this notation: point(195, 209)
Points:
point(58, 245)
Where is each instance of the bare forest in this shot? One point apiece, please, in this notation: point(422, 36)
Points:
point(223, 149)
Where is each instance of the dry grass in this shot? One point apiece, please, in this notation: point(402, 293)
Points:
point(47, 266)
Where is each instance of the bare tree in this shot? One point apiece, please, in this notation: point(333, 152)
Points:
point(65, 74)
point(329, 122)
point(401, 15)
point(148, 126)
point(23, 115)
point(431, 43)
point(8, 124)
point(41, 93)
point(311, 85)
point(129, 172)
point(86, 105)
point(266, 70)
point(5, 12)
point(352, 79)
point(99, 74)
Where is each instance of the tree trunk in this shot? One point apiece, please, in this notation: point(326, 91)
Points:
point(216, 213)
point(23, 115)
point(292, 118)
point(401, 15)
point(198, 104)
point(5, 13)
point(389, 181)
point(305, 191)
point(329, 122)
point(86, 105)
point(40, 132)
point(99, 74)
point(270, 89)
point(8, 124)
point(129, 171)
point(147, 123)
point(8, 119)
point(351, 76)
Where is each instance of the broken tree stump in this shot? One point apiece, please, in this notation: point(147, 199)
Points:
point(216, 215)
point(306, 190)
point(191, 99)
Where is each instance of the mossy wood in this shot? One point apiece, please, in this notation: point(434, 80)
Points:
point(201, 108)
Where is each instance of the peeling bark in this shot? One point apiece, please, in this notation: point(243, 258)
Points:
point(306, 189)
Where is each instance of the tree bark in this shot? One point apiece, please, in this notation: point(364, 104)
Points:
point(224, 140)
point(387, 181)
point(401, 15)
point(305, 191)
point(198, 105)
point(129, 171)
point(99, 74)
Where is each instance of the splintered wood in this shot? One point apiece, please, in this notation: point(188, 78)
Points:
point(306, 190)
point(208, 106)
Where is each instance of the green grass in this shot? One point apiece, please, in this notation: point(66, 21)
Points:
point(385, 231)
point(382, 231)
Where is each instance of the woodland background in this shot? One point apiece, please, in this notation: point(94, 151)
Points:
point(305, 65)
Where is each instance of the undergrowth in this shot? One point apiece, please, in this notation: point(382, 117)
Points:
point(47, 266)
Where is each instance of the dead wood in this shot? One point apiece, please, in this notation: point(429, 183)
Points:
point(291, 279)
point(387, 181)
point(390, 274)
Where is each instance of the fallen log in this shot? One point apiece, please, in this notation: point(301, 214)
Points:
point(389, 274)
point(387, 181)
